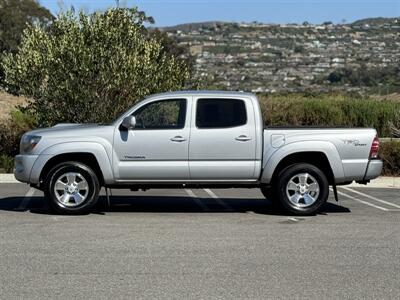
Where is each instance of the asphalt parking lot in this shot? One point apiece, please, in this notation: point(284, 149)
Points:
point(200, 244)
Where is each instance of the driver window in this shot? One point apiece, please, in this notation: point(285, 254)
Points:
point(165, 114)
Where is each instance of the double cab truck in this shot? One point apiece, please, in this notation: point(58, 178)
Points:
point(195, 139)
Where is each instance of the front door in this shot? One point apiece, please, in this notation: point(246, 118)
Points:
point(222, 140)
point(157, 148)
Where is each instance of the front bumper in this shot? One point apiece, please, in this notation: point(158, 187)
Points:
point(23, 165)
point(374, 169)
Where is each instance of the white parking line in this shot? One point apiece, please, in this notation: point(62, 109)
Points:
point(28, 196)
point(362, 201)
point(371, 197)
point(197, 200)
point(219, 200)
point(293, 219)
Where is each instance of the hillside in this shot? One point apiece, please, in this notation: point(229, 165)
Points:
point(193, 26)
point(376, 21)
point(295, 57)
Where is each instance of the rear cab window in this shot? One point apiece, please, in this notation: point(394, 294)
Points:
point(220, 113)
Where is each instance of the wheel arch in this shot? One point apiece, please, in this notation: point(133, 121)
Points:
point(85, 158)
point(325, 156)
point(92, 154)
point(317, 159)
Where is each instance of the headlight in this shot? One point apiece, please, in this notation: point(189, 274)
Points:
point(28, 142)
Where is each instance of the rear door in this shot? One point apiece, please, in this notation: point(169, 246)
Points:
point(222, 139)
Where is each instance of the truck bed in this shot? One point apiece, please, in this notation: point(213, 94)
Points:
point(348, 149)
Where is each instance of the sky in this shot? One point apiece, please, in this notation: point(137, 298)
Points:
point(173, 12)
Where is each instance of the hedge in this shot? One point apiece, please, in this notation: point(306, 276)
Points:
point(330, 110)
point(389, 152)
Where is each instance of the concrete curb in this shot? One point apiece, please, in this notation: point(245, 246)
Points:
point(380, 182)
point(7, 178)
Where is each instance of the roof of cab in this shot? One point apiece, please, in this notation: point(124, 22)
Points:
point(201, 93)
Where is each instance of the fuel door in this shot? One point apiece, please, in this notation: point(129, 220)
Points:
point(277, 140)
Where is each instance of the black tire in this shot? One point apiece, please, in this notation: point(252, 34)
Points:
point(306, 205)
point(90, 190)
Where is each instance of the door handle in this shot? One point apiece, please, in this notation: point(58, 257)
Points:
point(243, 138)
point(178, 139)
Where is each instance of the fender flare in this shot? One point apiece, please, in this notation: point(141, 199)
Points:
point(324, 147)
point(94, 148)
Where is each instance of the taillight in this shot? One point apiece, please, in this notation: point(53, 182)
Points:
point(374, 148)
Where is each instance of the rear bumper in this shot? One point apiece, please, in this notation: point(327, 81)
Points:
point(23, 165)
point(374, 169)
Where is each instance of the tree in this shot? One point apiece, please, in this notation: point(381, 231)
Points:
point(90, 68)
point(299, 49)
point(15, 15)
point(364, 76)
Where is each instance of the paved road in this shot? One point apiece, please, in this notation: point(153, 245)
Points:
point(200, 244)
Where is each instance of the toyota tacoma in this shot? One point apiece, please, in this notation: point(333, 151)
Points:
point(195, 139)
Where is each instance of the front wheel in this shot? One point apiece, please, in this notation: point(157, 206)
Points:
point(302, 189)
point(72, 188)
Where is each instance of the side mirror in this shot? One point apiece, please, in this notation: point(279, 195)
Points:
point(129, 122)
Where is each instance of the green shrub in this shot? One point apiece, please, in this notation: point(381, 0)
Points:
point(11, 131)
point(389, 152)
point(330, 110)
point(317, 112)
point(91, 67)
point(6, 163)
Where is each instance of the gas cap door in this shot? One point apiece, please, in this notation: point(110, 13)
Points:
point(277, 140)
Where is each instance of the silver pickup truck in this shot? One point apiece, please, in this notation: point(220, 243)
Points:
point(195, 139)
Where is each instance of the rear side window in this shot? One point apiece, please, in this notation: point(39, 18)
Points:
point(220, 113)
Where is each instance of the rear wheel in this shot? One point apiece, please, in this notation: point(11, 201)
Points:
point(72, 188)
point(302, 189)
